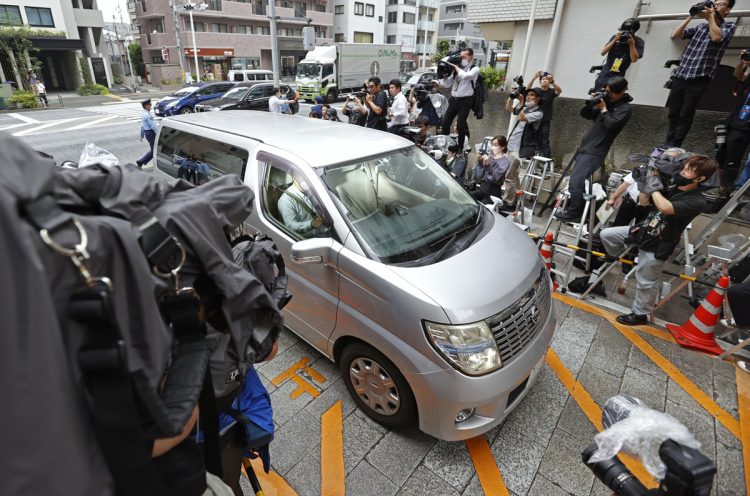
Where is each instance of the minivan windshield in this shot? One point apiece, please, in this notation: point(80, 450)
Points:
point(308, 70)
point(236, 93)
point(402, 206)
point(185, 91)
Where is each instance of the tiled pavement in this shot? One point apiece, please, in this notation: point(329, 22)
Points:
point(537, 449)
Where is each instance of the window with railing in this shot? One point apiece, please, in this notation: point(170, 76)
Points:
point(213, 4)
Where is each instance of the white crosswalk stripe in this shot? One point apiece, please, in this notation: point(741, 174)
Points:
point(130, 111)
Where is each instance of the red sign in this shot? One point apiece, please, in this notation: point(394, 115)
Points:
point(211, 52)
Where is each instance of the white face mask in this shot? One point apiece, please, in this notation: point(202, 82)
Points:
point(464, 62)
point(303, 185)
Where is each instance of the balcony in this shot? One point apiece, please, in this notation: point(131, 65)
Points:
point(157, 40)
point(429, 4)
point(425, 48)
point(86, 18)
point(427, 26)
point(151, 8)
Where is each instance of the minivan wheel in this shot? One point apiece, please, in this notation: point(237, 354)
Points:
point(186, 110)
point(377, 386)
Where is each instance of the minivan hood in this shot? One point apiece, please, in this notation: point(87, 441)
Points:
point(483, 279)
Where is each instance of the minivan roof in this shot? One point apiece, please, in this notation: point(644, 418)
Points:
point(320, 143)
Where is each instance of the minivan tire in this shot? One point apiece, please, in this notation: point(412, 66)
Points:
point(382, 374)
point(186, 110)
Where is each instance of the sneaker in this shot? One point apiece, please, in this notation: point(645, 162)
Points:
point(744, 365)
point(632, 319)
point(567, 216)
point(148, 166)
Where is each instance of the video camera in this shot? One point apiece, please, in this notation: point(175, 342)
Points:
point(520, 89)
point(682, 469)
point(421, 91)
point(700, 7)
point(444, 69)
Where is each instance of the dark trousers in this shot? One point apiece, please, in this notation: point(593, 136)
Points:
point(486, 190)
point(736, 146)
point(628, 211)
point(150, 137)
point(739, 297)
point(458, 107)
point(544, 146)
point(585, 166)
point(682, 102)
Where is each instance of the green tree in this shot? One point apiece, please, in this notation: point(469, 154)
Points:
point(493, 78)
point(136, 59)
point(443, 47)
point(17, 45)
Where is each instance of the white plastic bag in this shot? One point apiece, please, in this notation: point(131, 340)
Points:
point(93, 154)
point(639, 431)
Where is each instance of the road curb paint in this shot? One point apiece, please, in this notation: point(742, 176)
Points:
point(303, 386)
point(592, 411)
point(487, 470)
point(665, 365)
point(332, 452)
point(272, 483)
point(743, 406)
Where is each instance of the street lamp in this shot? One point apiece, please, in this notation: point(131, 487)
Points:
point(190, 7)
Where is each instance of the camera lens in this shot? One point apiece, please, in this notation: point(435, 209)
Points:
point(613, 474)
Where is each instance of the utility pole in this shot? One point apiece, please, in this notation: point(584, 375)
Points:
point(177, 37)
point(126, 50)
point(274, 42)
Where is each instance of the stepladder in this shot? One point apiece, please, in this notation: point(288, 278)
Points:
point(538, 170)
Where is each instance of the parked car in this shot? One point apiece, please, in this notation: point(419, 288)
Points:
point(435, 308)
point(419, 78)
point(249, 96)
point(184, 100)
point(249, 75)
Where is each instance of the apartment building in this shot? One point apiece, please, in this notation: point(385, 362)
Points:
point(455, 27)
point(413, 24)
point(229, 34)
point(359, 22)
point(76, 26)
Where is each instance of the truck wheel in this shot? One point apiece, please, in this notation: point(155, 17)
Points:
point(377, 386)
point(332, 96)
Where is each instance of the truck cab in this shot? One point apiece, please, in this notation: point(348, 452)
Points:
point(316, 74)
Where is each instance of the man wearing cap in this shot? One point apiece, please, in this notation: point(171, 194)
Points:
point(148, 131)
point(623, 49)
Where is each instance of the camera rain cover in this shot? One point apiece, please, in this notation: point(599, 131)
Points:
point(639, 431)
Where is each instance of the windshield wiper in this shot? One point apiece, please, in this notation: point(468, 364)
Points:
point(451, 241)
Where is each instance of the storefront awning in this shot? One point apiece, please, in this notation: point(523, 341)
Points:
point(59, 44)
point(211, 52)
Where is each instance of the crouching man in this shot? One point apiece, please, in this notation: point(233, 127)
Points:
point(659, 234)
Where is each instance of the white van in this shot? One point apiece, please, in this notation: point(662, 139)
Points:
point(436, 309)
point(250, 75)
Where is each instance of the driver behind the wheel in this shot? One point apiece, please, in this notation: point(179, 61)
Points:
point(297, 209)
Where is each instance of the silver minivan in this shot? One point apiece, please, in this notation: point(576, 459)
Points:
point(436, 309)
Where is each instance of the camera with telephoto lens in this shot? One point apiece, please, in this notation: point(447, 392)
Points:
point(421, 92)
point(362, 93)
point(444, 69)
point(520, 89)
point(700, 7)
point(596, 97)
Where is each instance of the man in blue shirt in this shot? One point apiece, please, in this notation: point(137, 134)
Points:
point(698, 65)
point(148, 131)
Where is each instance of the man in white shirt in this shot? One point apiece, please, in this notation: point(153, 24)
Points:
point(462, 95)
point(274, 103)
point(298, 210)
point(399, 110)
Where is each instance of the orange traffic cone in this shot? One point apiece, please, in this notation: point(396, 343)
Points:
point(546, 252)
point(698, 331)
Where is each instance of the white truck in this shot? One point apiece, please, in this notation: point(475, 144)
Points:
point(331, 70)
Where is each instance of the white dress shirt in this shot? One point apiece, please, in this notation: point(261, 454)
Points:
point(399, 110)
point(462, 82)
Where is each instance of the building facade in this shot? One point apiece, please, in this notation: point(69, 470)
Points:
point(584, 27)
point(228, 35)
point(73, 34)
point(413, 24)
point(358, 22)
point(454, 26)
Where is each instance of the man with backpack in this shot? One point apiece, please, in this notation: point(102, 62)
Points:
point(462, 83)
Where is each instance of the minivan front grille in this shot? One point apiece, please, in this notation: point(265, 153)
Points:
point(517, 325)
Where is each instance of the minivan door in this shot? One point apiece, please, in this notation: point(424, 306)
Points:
point(291, 205)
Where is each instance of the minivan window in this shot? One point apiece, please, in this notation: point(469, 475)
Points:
point(238, 76)
point(197, 159)
point(402, 206)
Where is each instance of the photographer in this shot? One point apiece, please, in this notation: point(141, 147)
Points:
point(376, 102)
point(698, 65)
point(494, 166)
point(462, 83)
point(622, 49)
point(399, 111)
point(456, 163)
point(549, 91)
point(524, 137)
point(738, 132)
point(354, 110)
point(610, 112)
point(659, 234)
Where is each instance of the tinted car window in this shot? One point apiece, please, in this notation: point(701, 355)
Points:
point(222, 88)
point(197, 159)
point(238, 76)
point(256, 92)
point(205, 91)
point(268, 91)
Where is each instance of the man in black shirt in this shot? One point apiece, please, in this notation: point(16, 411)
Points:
point(622, 49)
point(376, 102)
point(548, 90)
point(738, 133)
point(677, 207)
point(610, 115)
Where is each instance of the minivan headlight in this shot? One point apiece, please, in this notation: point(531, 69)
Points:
point(469, 347)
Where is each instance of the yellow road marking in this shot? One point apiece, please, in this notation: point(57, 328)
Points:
point(115, 97)
point(303, 386)
point(594, 413)
point(743, 403)
point(272, 483)
point(332, 452)
point(489, 475)
point(673, 372)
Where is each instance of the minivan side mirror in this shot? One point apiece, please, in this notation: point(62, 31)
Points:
point(315, 250)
